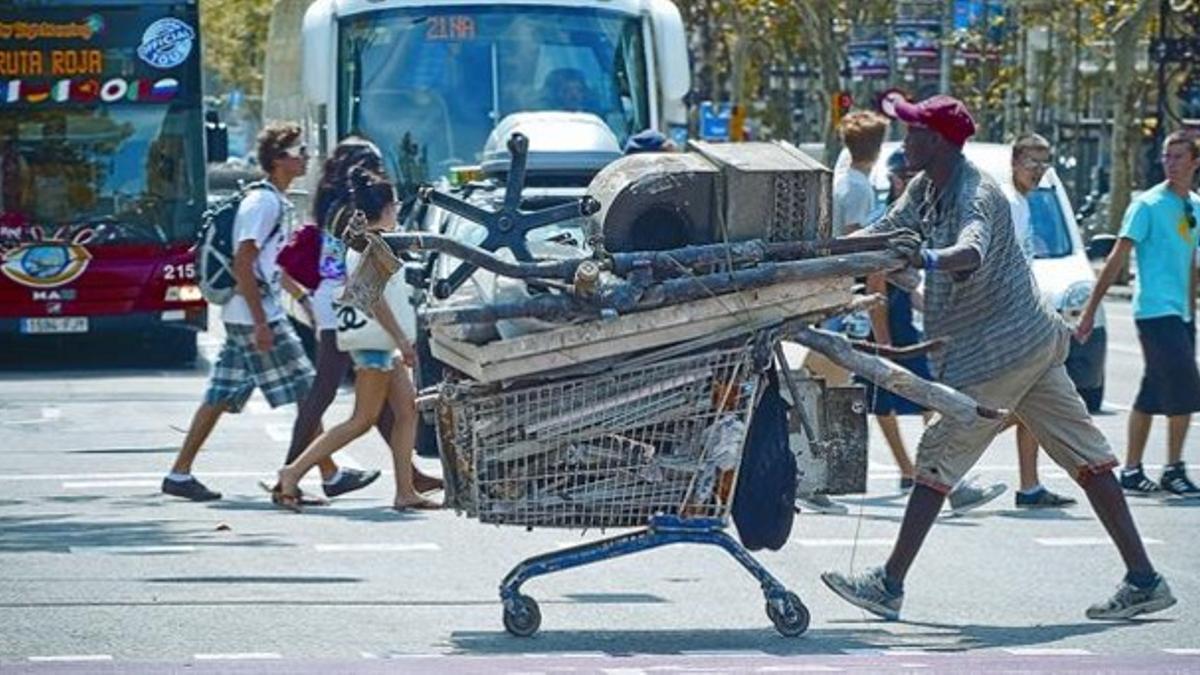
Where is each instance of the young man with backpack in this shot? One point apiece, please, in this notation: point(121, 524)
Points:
point(261, 350)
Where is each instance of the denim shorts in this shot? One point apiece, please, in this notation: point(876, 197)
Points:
point(372, 359)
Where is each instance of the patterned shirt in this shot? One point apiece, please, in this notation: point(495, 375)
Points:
point(994, 316)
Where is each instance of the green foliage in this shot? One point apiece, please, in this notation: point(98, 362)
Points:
point(234, 34)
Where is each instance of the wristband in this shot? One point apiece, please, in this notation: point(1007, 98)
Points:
point(929, 259)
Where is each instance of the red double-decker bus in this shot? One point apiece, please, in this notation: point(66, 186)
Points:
point(102, 180)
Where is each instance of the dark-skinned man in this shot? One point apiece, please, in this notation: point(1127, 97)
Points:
point(1005, 349)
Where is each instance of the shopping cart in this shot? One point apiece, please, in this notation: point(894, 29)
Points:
point(654, 443)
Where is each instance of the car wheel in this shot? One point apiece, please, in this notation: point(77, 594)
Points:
point(1093, 398)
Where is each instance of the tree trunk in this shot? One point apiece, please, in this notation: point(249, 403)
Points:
point(1126, 113)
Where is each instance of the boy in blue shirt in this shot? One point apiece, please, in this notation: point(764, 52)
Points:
point(1161, 226)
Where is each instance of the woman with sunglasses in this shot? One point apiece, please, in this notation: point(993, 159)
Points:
point(381, 379)
point(330, 212)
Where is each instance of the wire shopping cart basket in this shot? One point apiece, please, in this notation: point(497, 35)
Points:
point(654, 443)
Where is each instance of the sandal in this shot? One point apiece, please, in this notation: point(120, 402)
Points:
point(291, 502)
point(305, 498)
point(420, 505)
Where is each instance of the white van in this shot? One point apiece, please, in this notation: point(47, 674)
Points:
point(1060, 262)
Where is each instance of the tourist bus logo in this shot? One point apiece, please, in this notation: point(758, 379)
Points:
point(166, 43)
point(46, 263)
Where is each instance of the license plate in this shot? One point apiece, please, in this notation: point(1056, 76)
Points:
point(54, 324)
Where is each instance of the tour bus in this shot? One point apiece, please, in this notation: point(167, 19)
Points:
point(429, 81)
point(101, 172)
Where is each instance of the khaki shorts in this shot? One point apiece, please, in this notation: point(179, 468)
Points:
point(1043, 397)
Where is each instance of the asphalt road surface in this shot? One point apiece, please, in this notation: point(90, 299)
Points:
point(99, 572)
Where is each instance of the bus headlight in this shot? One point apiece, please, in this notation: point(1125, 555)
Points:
point(184, 293)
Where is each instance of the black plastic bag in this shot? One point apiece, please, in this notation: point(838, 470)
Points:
point(764, 504)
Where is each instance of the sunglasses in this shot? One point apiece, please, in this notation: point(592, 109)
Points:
point(1189, 213)
point(296, 152)
point(1036, 164)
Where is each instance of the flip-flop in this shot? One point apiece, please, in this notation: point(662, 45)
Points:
point(278, 498)
point(305, 498)
point(417, 506)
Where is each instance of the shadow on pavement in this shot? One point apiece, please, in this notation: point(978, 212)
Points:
point(62, 533)
point(380, 513)
point(1044, 514)
point(863, 636)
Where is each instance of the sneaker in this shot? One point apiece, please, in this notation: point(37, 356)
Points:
point(1136, 483)
point(906, 485)
point(968, 496)
point(866, 590)
point(821, 504)
point(189, 489)
point(1042, 499)
point(350, 480)
point(1129, 601)
point(1175, 480)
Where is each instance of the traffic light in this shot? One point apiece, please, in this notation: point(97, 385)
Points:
point(841, 102)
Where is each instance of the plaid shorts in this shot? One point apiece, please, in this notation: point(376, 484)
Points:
point(284, 374)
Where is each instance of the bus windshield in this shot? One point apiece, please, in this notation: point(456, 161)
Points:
point(127, 172)
point(428, 86)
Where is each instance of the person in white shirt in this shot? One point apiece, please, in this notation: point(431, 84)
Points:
point(261, 349)
point(1030, 160)
point(854, 200)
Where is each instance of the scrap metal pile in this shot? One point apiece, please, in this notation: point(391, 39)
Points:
point(617, 382)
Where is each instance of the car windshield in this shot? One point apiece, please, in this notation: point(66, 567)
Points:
point(1050, 236)
point(429, 86)
point(131, 173)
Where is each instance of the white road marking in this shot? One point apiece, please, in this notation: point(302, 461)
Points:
point(1183, 652)
point(810, 668)
point(1047, 651)
point(61, 658)
point(118, 550)
point(374, 548)
point(51, 413)
point(1086, 541)
point(239, 656)
point(280, 433)
point(93, 484)
point(841, 543)
point(257, 407)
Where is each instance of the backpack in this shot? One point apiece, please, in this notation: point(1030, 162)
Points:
point(764, 505)
point(215, 246)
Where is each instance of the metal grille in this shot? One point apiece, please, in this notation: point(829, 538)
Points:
point(790, 214)
point(608, 450)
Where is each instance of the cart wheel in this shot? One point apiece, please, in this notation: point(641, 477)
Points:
point(524, 618)
point(792, 619)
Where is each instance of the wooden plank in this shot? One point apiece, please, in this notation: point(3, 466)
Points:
point(581, 343)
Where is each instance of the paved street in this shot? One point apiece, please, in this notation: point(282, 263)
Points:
point(98, 570)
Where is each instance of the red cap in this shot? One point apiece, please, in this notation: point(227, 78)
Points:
point(944, 114)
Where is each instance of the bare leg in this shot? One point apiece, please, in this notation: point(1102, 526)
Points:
point(386, 425)
point(1177, 428)
point(370, 390)
point(923, 508)
point(331, 368)
point(1108, 501)
point(202, 425)
point(402, 400)
point(891, 433)
point(1138, 432)
point(1027, 448)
